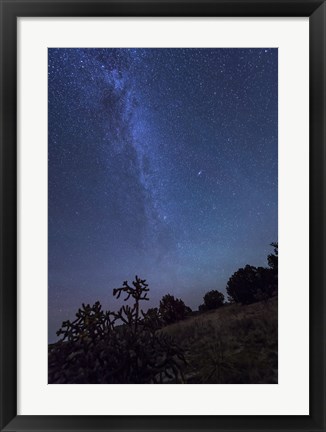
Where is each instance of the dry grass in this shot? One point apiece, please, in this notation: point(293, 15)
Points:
point(231, 345)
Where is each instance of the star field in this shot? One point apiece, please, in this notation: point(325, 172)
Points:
point(162, 163)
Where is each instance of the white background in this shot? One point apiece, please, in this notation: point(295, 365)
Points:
point(290, 395)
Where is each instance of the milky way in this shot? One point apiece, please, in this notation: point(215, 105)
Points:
point(162, 163)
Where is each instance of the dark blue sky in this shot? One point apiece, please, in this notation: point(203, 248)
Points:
point(162, 163)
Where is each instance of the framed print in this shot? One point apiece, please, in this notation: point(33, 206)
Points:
point(162, 237)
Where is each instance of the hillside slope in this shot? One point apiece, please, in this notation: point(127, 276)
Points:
point(234, 344)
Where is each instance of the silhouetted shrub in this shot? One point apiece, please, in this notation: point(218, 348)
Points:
point(272, 259)
point(172, 309)
point(266, 283)
point(241, 287)
point(212, 300)
point(273, 264)
point(250, 284)
point(93, 349)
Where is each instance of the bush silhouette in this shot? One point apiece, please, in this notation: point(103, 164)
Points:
point(272, 259)
point(212, 300)
point(250, 284)
point(241, 287)
point(273, 264)
point(94, 349)
point(172, 309)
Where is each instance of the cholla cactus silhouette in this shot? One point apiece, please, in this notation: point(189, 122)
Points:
point(95, 348)
point(153, 357)
point(130, 316)
point(152, 319)
point(91, 323)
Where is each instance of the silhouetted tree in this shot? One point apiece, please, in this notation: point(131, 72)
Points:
point(172, 309)
point(272, 259)
point(212, 300)
point(273, 264)
point(250, 284)
point(241, 287)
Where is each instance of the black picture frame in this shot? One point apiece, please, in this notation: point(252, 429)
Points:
point(10, 11)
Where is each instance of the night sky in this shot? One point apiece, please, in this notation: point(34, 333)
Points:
point(162, 163)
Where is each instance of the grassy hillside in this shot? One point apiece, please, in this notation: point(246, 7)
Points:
point(231, 345)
